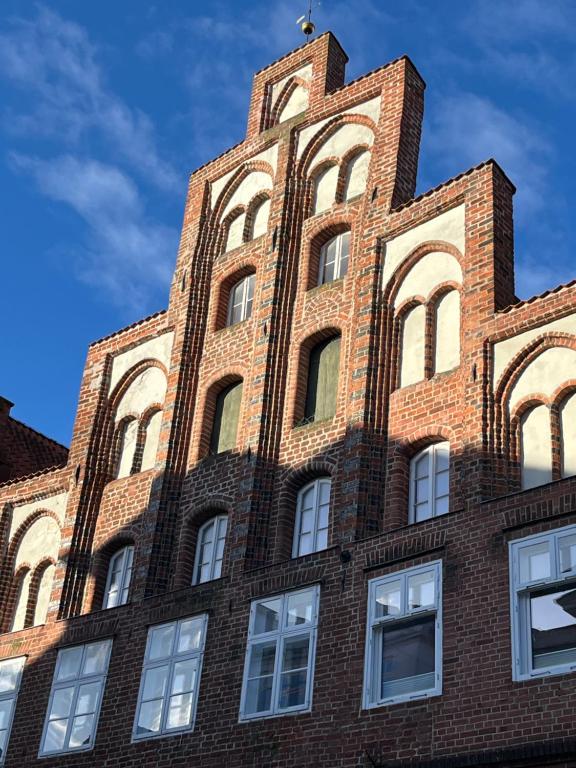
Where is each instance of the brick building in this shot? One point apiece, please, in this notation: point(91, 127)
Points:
point(321, 510)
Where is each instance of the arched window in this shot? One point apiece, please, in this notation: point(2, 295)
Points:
point(226, 416)
point(334, 258)
point(322, 385)
point(210, 550)
point(535, 447)
point(312, 517)
point(447, 332)
point(430, 482)
point(119, 575)
point(241, 300)
point(127, 441)
point(356, 175)
point(258, 219)
point(412, 358)
point(325, 184)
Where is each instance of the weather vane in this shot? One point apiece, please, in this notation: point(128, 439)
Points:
point(306, 24)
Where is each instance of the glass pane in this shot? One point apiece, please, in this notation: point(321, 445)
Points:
point(345, 244)
point(306, 544)
point(322, 539)
point(161, 641)
point(180, 711)
point(5, 711)
point(184, 676)
point(307, 498)
point(553, 626)
point(408, 657)
point(149, 717)
point(81, 733)
point(55, 735)
point(3, 739)
point(443, 505)
point(421, 490)
point(190, 638)
point(87, 700)
point(442, 452)
point(9, 672)
point(424, 511)
point(535, 562)
point(69, 663)
point(258, 695)
point(323, 516)
point(250, 281)
point(328, 272)
point(421, 590)
point(342, 267)
point(306, 521)
point(96, 658)
point(388, 599)
point(236, 315)
point(295, 653)
point(293, 689)
point(442, 481)
point(324, 493)
point(61, 703)
point(262, 659)
point(266, 617)
point(422, 466)
point(299, 609)
point(567, 553)
point(155, 683)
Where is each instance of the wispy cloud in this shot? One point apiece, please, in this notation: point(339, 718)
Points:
point(55, 63)
point(125, 256)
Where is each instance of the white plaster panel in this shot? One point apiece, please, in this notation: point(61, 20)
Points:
point(536, 448)
point(44, 591)
point(147, 388)
point(159, 348)
point(255, 182)
point(304, 73)
point(412, 353)
point(127, 449)
point(269, 156)
point(448, 227)
point(447, 342)
point(21, 603)
point(428, 272)
point(297, 102)
point(568, 422)
point(235, 232)
point(369, 108)
point(346, 137)
point(21, 512)
point(260, 219)
point(357, 175)
point(545, 374)
point(40, 541)
point(152, 438)
point(505, 351)
point(325, 188)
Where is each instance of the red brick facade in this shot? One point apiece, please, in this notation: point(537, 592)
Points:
point(482, 716)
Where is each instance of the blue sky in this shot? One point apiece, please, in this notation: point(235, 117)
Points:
point(106, 107)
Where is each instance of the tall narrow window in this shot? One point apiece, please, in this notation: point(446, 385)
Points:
point(10, 676)
point(280, 655)
point(241, 300)
point(312, 515)
point(75, 698)
point(226, 417)
point(210, 550)
point(119, 576)
point(334, 258)
point(403, 641)
point(430, 482)
point(543, 585)
point(322, 386)
point(170, 678)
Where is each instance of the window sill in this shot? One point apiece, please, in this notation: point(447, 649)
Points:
point(332, 284)
point(234, 327)
point(288, 713)
point(406, 699)
point(311, 424)
point(153, 737)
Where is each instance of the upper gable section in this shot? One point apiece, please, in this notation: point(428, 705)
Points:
point(295, 82)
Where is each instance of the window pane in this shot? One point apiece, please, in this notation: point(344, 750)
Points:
point(161, 641)
point(535, 562)
point(422, 491)
point(262, 658)
point(3, 740)
point(184, 677)
point(266, 616)
point(441, 483)
point(87, 700)
point(61, 703)
point(307, 521)
point(258, 695)
point(328, 275)
point(322, 539)
point(421, 589)
point(442, 505)
point(190, 638)
point(299, 609)
point(424, 511)
point(306, 544)
point(293, 689)
point(96, 658)
point(567, 554)
point(149, 717)
point(155, 683)
point(553, 626)
point(422, 466)
point(5, 711)
point(324, 493)
point(180, 711)
point(342, 267)
point(295, 653)
point(323, 516)
point(81, 733)
point(55, 736)
point(9, 672)
point(388, 599)
point(307, 498)
point(408, 657)
point(69, 663)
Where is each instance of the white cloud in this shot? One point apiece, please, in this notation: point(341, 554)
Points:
point(125, 256)
point(54, 60)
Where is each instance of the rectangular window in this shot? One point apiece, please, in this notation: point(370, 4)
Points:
point(75, 698)
point(543, 603)
point(10, 676)
point(404, 637)
point(280, 655)
point(170, 678)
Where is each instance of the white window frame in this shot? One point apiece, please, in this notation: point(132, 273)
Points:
point(280, 635)
point(127, 555)
point(520, 592)
point(76, 683)
point(219, 522)
point(339, 239)
point(432, 452)
point(245, 283)
point(11, 696)
point(170, 661)
point(298, 521)
point(372, 652)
